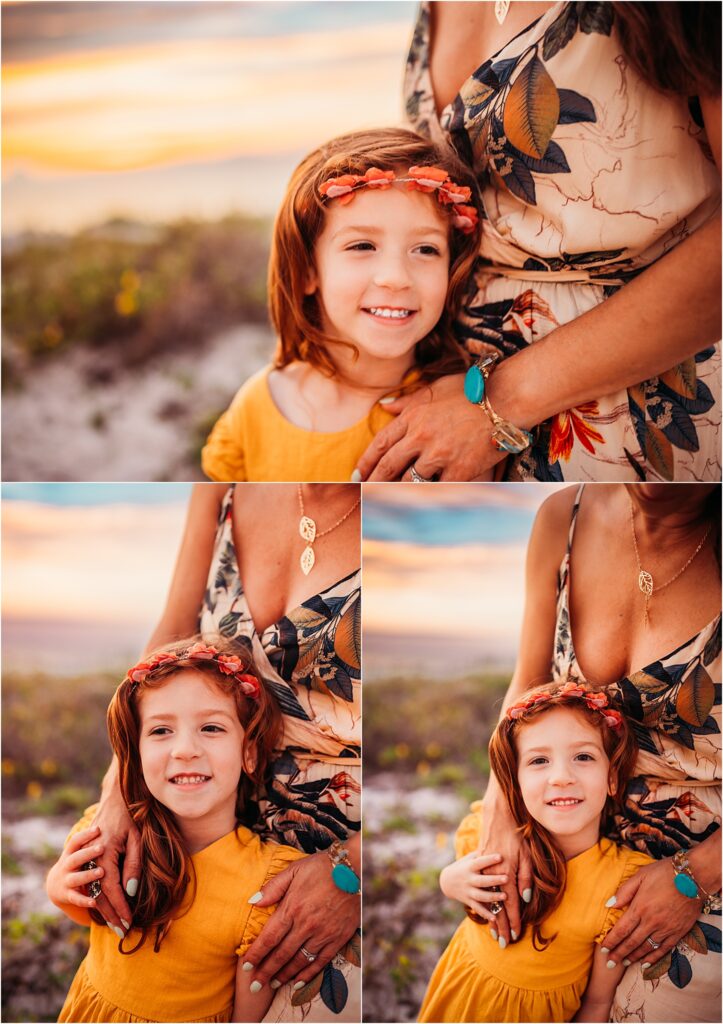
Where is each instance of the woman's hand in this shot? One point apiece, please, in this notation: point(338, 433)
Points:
point(312, 912)
point(120, 840)
point(465, 882)
point(499, 833)
point(66, 882)
point(437, 431)
point(656, 910)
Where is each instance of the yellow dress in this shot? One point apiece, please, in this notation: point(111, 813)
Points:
point(252, 440)
point(475, 980)
point(192, 977)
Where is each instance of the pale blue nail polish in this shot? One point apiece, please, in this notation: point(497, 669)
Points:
point(119, 932)
point(247, 966)
point(274, 984)
point(387, 400)
point(132, 886)
point(527, 895)
point(493, 933)
point(356, 477)
point(256, 897)
point(612, 901)
point(299, 985)
point(644, 967)
point(604, 949)
point(626, 962)
point(513, 933)
point(125, 924)
point(611, 964)
point(255, 986)
point(502, 943)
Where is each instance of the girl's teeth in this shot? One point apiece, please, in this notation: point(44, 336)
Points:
point(390, 314)
point(182, 781)
point(563, 803)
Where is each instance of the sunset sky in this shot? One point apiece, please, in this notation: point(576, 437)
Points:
point(444, 574)
point(162, 109)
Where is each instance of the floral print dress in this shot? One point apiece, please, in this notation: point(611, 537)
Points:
point(311, 661)
point(588, 176)
point(672, 802)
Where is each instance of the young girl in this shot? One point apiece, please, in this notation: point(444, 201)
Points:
point(563, 756)
point(194, 730)
point(372, 249)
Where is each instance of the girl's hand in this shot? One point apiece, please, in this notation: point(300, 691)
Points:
point(67, 881)
point(500, 833)
point(438, 431)
point(463, 881)
point(120, 840)
point(655, 909)
point(312, 913)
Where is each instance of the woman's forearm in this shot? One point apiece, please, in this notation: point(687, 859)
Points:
point(662, 317)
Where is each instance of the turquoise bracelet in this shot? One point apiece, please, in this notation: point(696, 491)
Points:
point(506, 437)
point(343, 874)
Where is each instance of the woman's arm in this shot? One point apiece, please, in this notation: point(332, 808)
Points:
point(665, 315)
point(188, 584)
point(601, 985)
point(656, 909)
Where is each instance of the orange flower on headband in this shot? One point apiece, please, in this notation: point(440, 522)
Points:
point(341, 188)
point(595, 700)
point(427, 179)
point(228, 665)
point(465, 218)
point(375, 178)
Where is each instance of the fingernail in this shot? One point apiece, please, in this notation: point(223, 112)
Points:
point(527, 895)
point(611, 902)
point(387, 400)
point(501, 940)
point(255, 986)
point(604, 949)
point(132, 886)
point(256, 897)
point(274, 984)
point(493, 933)
point(356, 477)
point(125, 924)
point(298, 985)
point(513, 933)
point(626, 962)
point(611, 964)
point(644, 967)
point(120, 933)
point(247, 966)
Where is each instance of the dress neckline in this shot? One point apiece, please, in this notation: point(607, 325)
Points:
point(440, 114)
point(228, 511)
point(566, 565)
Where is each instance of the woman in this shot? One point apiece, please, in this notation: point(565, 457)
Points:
point(590, 550)
point(592, 129)
point(275, 567)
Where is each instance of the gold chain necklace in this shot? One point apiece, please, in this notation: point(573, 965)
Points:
point(307, 529)
point(501, 9)
point(645, 579)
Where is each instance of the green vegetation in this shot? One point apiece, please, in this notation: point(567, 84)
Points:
point(135, 288)
point(40, 958)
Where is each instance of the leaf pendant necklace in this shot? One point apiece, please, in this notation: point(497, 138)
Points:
point(646, 584)
point(307, 530)
point(501, 9)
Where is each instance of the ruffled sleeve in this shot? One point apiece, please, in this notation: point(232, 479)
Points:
point(468, 833)
point(633, 862)
point(281, 858)
point(222, 457)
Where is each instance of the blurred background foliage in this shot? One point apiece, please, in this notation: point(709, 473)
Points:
point(149, 289)
point(425, 761)
point(55, 752)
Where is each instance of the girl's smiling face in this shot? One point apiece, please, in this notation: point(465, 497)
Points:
point(191, 745)
point(563, 774)
point(381, 272)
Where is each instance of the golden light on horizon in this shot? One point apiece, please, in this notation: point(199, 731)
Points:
point(149, 105)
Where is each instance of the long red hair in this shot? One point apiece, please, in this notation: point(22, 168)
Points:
point(166, 866)
point(548, 862)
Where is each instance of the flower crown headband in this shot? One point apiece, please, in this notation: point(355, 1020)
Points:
point(228, 665)
point(421, 179)
point(595, 700)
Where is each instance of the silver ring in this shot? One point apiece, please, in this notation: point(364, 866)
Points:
point(495, 907)
point(651, 942)
point(94, 889)
point(417, 478)
point(311, 957)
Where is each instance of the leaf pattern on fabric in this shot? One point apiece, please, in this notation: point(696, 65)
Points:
point(532, 110)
